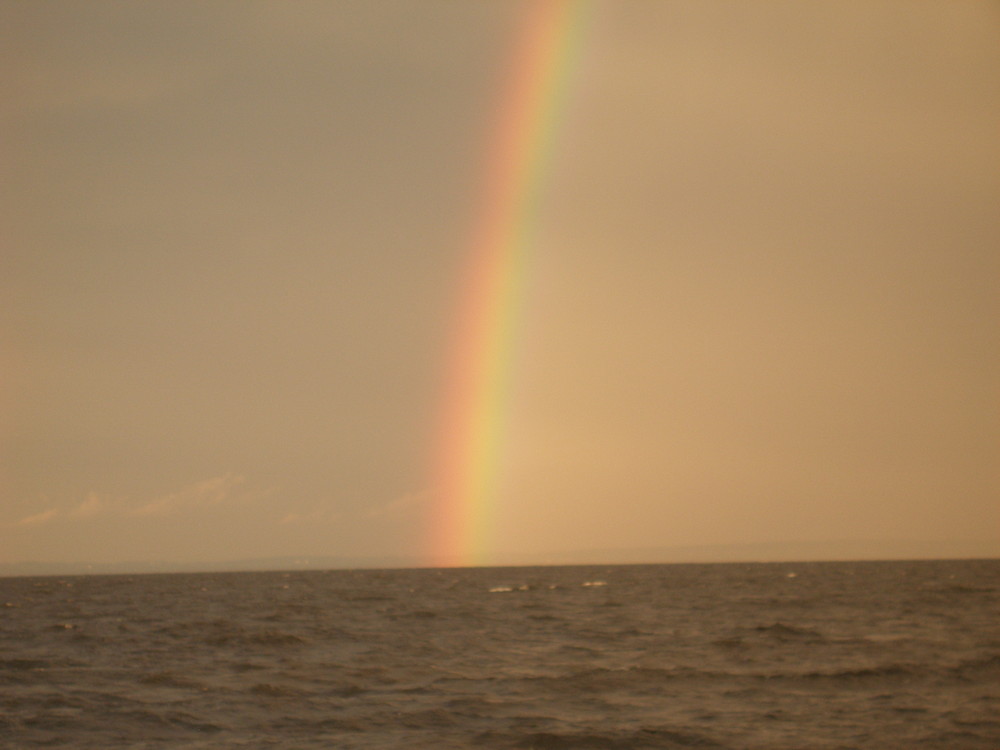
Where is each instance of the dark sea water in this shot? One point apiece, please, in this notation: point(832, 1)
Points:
point(769, 656)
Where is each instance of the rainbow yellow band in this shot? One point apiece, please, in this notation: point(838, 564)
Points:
point(470, 445)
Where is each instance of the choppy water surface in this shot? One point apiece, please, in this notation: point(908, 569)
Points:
point(762, 656)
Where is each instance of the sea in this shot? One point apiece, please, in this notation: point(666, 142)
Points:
point(763, 656)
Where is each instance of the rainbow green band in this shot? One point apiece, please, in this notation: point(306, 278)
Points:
point(470, 445)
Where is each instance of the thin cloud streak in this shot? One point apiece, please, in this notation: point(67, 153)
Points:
point(210, 492)
point(38, 518)
point(410, 505)
point(227, 489)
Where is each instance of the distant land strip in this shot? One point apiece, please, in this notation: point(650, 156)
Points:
point(733, 553)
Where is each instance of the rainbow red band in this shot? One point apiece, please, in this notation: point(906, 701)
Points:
point(466, 481)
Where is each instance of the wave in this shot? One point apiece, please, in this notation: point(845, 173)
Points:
point(645, 678)
point(783, 631)
point(22, 665)
point(958, 588)
point(601, 679)
point(643, 738)
point(270, 690)
point(172, 718)
point(365, 596)
point(422, 614)
point(226, 633)
point(167, 679)
point(978, 668)
point(895, 671)
point(259, 638)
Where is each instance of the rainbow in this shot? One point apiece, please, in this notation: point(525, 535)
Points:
point(469, 447)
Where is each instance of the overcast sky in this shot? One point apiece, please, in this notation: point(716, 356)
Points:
point(763, 303)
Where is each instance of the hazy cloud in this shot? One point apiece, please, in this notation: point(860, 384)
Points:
point(38, 518)
point(210, 492)
point(94, 504)
point(405, 506)
point(221, 490)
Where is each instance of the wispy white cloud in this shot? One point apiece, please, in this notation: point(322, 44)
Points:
point(93, 504)
point(227, 488)
point(404, 506)
point(38, 518)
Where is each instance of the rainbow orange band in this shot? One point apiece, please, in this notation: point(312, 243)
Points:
point(470, 445)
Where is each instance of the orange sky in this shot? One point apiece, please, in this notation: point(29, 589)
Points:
point(763, 304)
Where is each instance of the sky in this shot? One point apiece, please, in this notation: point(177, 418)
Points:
point(762, 302)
